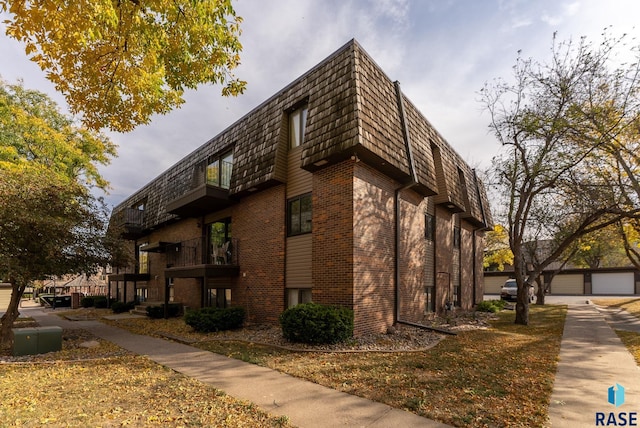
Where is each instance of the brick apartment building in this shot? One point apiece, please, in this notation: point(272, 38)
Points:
point(334, 190)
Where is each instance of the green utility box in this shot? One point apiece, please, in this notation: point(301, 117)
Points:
point(36, 340)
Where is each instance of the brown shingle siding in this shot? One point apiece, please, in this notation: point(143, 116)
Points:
point(357, 123)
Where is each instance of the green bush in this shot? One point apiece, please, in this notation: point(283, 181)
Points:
point(315, 323)
point(158, 311)
point(87, 301)
point(120, 307)
point(215, 319)
point(490, 306)
point(100, 302)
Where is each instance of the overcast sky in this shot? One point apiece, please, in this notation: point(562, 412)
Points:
point(441, 51)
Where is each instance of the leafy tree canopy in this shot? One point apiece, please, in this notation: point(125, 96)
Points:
point(497, 253)
point(568, 165)
point(50, 223)
point(120, 62)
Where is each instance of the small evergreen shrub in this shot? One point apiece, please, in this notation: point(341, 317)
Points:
point(314, 323)
point(490, 306)
point(120, 307)
point(215, 319)
point(157, 312)
point(100, 302)
point(87, 301)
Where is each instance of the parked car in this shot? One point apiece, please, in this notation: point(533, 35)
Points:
point(509, 291)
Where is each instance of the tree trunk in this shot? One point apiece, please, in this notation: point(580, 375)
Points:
point(522, 306)
point(540, 293)
point(12, 313)
point(522, 299)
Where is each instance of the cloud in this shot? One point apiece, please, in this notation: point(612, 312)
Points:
point(442, 51)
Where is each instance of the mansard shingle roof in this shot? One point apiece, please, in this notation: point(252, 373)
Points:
point(353, 109)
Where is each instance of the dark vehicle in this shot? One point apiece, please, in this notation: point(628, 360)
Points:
point(509, 291)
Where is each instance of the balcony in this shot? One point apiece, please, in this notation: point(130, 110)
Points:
point(130, 221)
point(195, 259)
point(137, 271)
point(209, 192)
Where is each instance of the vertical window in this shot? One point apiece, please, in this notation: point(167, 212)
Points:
point(141, 295)
point(429, 226)
point(456, 237)
point(171, 289)
point(219, 242)
point(297, 123)
point(295, 296)
point(299, 212)
point(219, 297)
point(219, 170)
point(143, 260)
point(430, 299)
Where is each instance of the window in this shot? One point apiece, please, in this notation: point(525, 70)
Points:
point(299, 215)
point(456, 237)
point(171, 289)
point(219, 297)
point(219, 170)
point(219, 246)
point(429, 226)
point(141, 295)
point(296, 296)
point(143, 260)
point(430, 299)
point(297, 123)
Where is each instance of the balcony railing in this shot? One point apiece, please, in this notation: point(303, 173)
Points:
point(137, 270)
point(131, 221)
point(194, 252)
point(208, 190)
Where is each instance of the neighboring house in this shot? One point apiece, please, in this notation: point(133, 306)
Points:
point(335, 190)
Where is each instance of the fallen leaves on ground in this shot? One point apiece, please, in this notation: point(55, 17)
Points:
point(501, 376)
point(118, 391)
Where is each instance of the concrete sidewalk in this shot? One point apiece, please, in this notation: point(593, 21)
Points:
point(305, 403)
point(592, 359)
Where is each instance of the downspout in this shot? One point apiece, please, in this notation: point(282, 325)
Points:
point(407, 185)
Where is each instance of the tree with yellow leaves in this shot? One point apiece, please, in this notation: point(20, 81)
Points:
point(118, 62)
point(497, 253)
point(50, 223)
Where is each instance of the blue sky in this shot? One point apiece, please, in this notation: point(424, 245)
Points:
point(441, 51)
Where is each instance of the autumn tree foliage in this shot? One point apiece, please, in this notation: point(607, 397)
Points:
point(120, 62)
point(497, 253)
point(50, 223)
point(563, 125)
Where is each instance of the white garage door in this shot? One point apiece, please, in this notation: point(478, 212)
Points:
point(613, 283)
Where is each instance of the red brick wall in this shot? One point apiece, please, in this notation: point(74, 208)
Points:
point(176, 232)
point(412, 257)
point(444, 257)
point(479, 242)
point(333, 234)
point(466, 266)
point(373, 252)
point(259, 225)
point(187, 291)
